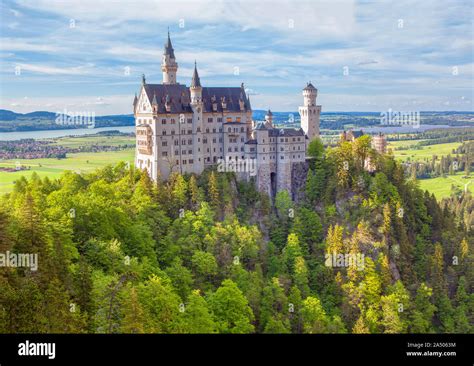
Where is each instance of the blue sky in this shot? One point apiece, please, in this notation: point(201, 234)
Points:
point(361, 55)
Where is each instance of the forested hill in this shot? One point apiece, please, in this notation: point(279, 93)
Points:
point(207, 254)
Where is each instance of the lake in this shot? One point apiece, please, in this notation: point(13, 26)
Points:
point(11, 136)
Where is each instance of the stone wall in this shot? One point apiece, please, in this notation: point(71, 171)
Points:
point(299, 172)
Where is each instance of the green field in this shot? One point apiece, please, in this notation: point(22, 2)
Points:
point(441, 186)
point(80, 162)
point(425, 152)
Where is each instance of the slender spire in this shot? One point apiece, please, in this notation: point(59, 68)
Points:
point(154, 102)
point(195, 82)
point(143, 79)
point(169, 47)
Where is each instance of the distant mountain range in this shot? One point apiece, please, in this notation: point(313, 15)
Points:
point(42, 120)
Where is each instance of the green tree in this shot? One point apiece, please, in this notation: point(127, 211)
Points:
point(231, 310)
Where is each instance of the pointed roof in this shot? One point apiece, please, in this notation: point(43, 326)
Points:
point(195, 82)
point(309, 86)
point(154, 102)
point(169, 47)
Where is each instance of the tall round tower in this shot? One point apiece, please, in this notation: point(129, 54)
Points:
point(310, 112)
point(169, 66)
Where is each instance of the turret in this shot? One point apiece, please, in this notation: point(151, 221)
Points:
point(195, 88)
point(309, 94)
point(269, 119)
point(169, 65)
point(310, 112)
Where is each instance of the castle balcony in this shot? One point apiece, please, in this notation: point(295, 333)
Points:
point(144, 137)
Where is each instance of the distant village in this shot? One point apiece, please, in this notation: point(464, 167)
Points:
point(41, 149)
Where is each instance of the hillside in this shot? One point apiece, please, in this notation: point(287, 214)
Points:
point(359, 253)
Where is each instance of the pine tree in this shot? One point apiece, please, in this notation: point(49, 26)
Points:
point(133, 318)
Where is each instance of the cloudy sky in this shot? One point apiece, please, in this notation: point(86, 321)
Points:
point(89, 55)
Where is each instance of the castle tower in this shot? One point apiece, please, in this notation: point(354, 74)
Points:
point(310, 112)
point(197, 107)
point(169, 65)
point(269, 119)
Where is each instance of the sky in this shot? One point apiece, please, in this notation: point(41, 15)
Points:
point(89, 55)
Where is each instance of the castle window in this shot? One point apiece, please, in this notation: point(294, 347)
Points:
point(229, 119)
point(219, 119)
point(282, 157)
point(176, 152)
point(229, 129)
point(241, 129)
point(210, 119)
point(237, 119)
point(176, 142)
point(183, 132)
point(172, 132)
point(214, 130)
point(183, 142)
point(190, 120)
point(164, 153)
point(177, 162)
point(190, 132)
point(204, 140)
point(207, 130)
point(220, 139)
point(164, 132)
point(190, 152)
point(164, 143)
point(207, 149)
point(173, 121)
point(199, 129)
point(229, 149)
point(184, 162)
point(214, 140)
point(191, 161)
point(163, 121)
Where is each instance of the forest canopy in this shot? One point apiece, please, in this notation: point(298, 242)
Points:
point(362, 252)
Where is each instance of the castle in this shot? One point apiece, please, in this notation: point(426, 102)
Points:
point(187, 129)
